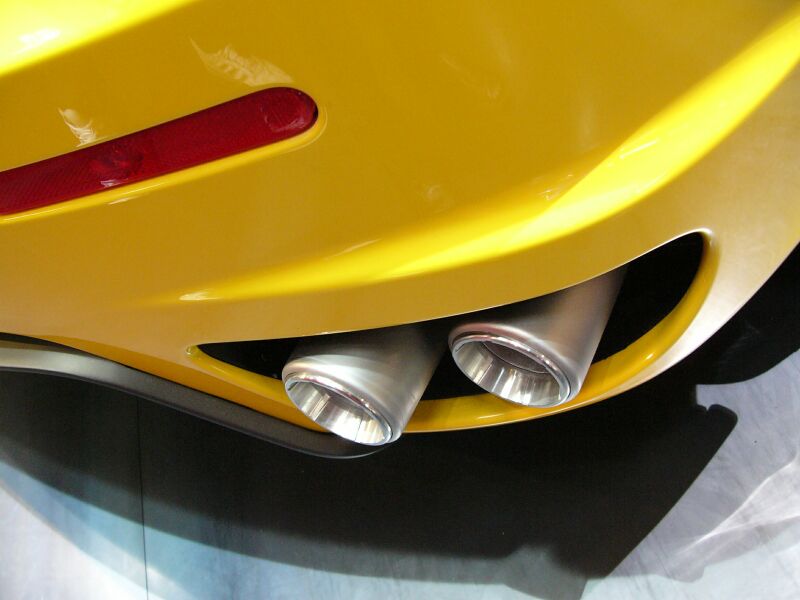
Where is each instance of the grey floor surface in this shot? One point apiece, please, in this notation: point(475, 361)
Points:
point(688, 487)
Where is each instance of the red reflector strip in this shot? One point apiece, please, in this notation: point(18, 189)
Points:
point(255, 120)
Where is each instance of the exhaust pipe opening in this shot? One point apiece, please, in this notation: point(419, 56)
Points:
point(537, 353)
point(332, 406)
point(507, 368)
point(362, 386)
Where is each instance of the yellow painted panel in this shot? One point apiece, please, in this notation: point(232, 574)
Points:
point(468, 154)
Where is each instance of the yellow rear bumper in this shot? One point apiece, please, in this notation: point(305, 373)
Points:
point(465, 157)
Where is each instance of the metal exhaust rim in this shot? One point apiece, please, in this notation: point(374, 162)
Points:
point(337, 408)
point(475, 355)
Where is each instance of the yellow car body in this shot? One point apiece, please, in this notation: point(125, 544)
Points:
point(466, 155)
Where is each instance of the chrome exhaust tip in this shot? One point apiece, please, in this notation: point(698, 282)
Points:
point(362, 386)
point(510, 369)
point(537, 353)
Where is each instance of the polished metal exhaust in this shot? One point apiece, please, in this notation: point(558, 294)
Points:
point(363, 386)
point(537, 352)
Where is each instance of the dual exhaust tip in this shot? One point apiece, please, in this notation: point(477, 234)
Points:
point(364, 386)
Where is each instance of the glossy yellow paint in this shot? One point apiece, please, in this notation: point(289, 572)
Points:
point(467, 155)
point(34, 30)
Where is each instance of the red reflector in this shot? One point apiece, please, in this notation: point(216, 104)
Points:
point(255, 120)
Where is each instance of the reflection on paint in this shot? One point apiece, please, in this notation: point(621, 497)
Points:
point(483, 85)
point(80, 127)
point(198, 296)
point(249, 70)
point(37, 38)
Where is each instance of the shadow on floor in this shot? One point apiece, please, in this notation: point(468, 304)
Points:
point(482, 506)
point(539, 506)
